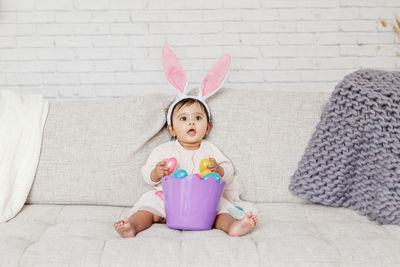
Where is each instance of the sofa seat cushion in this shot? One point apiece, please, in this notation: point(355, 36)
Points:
point(287, 235)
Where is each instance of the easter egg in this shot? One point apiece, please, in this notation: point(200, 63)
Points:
point(197, 176)
point(205, 172)
point(204, 163)
point(212, 175)
point(179, 174)
point(171, 164)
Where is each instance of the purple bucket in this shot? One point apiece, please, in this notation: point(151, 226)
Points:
point(191, 203)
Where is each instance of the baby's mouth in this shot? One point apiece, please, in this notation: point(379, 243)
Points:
point(191, 132)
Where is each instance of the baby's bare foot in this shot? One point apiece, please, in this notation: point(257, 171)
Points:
point(255, 219)
point(125, 228)
point(244, 225)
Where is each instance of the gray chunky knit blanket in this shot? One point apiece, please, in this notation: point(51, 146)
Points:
point(353, 157)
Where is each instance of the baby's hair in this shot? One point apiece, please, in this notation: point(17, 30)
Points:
point(189, 101)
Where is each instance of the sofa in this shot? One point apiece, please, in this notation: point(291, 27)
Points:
point(89, 176)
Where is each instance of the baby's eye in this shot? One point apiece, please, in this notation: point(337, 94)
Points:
point(183, 118)
point(198, 118)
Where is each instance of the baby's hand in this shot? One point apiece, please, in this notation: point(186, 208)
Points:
point(160, 171)
point(214, 167)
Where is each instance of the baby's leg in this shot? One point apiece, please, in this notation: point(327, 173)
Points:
point(137, 222)
point(233, 227)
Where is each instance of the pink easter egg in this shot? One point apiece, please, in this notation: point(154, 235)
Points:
point(197, 175)
point(171, 164)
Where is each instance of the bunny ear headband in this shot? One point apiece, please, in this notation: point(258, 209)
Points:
point(176, 77)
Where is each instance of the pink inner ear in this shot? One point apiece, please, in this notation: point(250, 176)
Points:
point(216, 76)
point(173, 70)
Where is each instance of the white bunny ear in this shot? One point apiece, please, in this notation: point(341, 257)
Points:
point(214, 79)
point(173, 70)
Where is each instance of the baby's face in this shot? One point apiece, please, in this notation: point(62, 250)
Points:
point(190, 124)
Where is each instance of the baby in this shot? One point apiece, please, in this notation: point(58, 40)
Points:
point(190, 124)
point(189, 120)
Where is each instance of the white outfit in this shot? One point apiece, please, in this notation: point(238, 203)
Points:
point(189, 160)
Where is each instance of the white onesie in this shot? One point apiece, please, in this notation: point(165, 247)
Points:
point(188, 160)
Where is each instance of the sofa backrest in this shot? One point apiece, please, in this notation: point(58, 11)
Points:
point(264, 134)
point(93, 150)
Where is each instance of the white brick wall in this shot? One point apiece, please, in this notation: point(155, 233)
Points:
point(95, 48)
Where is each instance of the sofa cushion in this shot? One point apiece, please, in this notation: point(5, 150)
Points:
point(264, 134)
point(288, 234)
point(93, 150)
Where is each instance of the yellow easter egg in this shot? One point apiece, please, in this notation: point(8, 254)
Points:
point(204, 172)
point(204, 163)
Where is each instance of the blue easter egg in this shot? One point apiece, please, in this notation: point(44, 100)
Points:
point(179, 174)
point(212, 175)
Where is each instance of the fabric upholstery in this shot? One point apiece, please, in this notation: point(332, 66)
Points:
point(89, 176)
point(288, 234)
point(264, 134)
point(93, 150)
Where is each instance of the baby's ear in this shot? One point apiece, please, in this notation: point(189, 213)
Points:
point(171, 131)
point(209, 127)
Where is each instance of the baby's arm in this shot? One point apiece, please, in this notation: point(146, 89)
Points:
point(159, 171)
point(153, 168)
point(224, 163)
point(215, 167)
point(228, 169)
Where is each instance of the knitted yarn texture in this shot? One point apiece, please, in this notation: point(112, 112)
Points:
point(353, 158)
